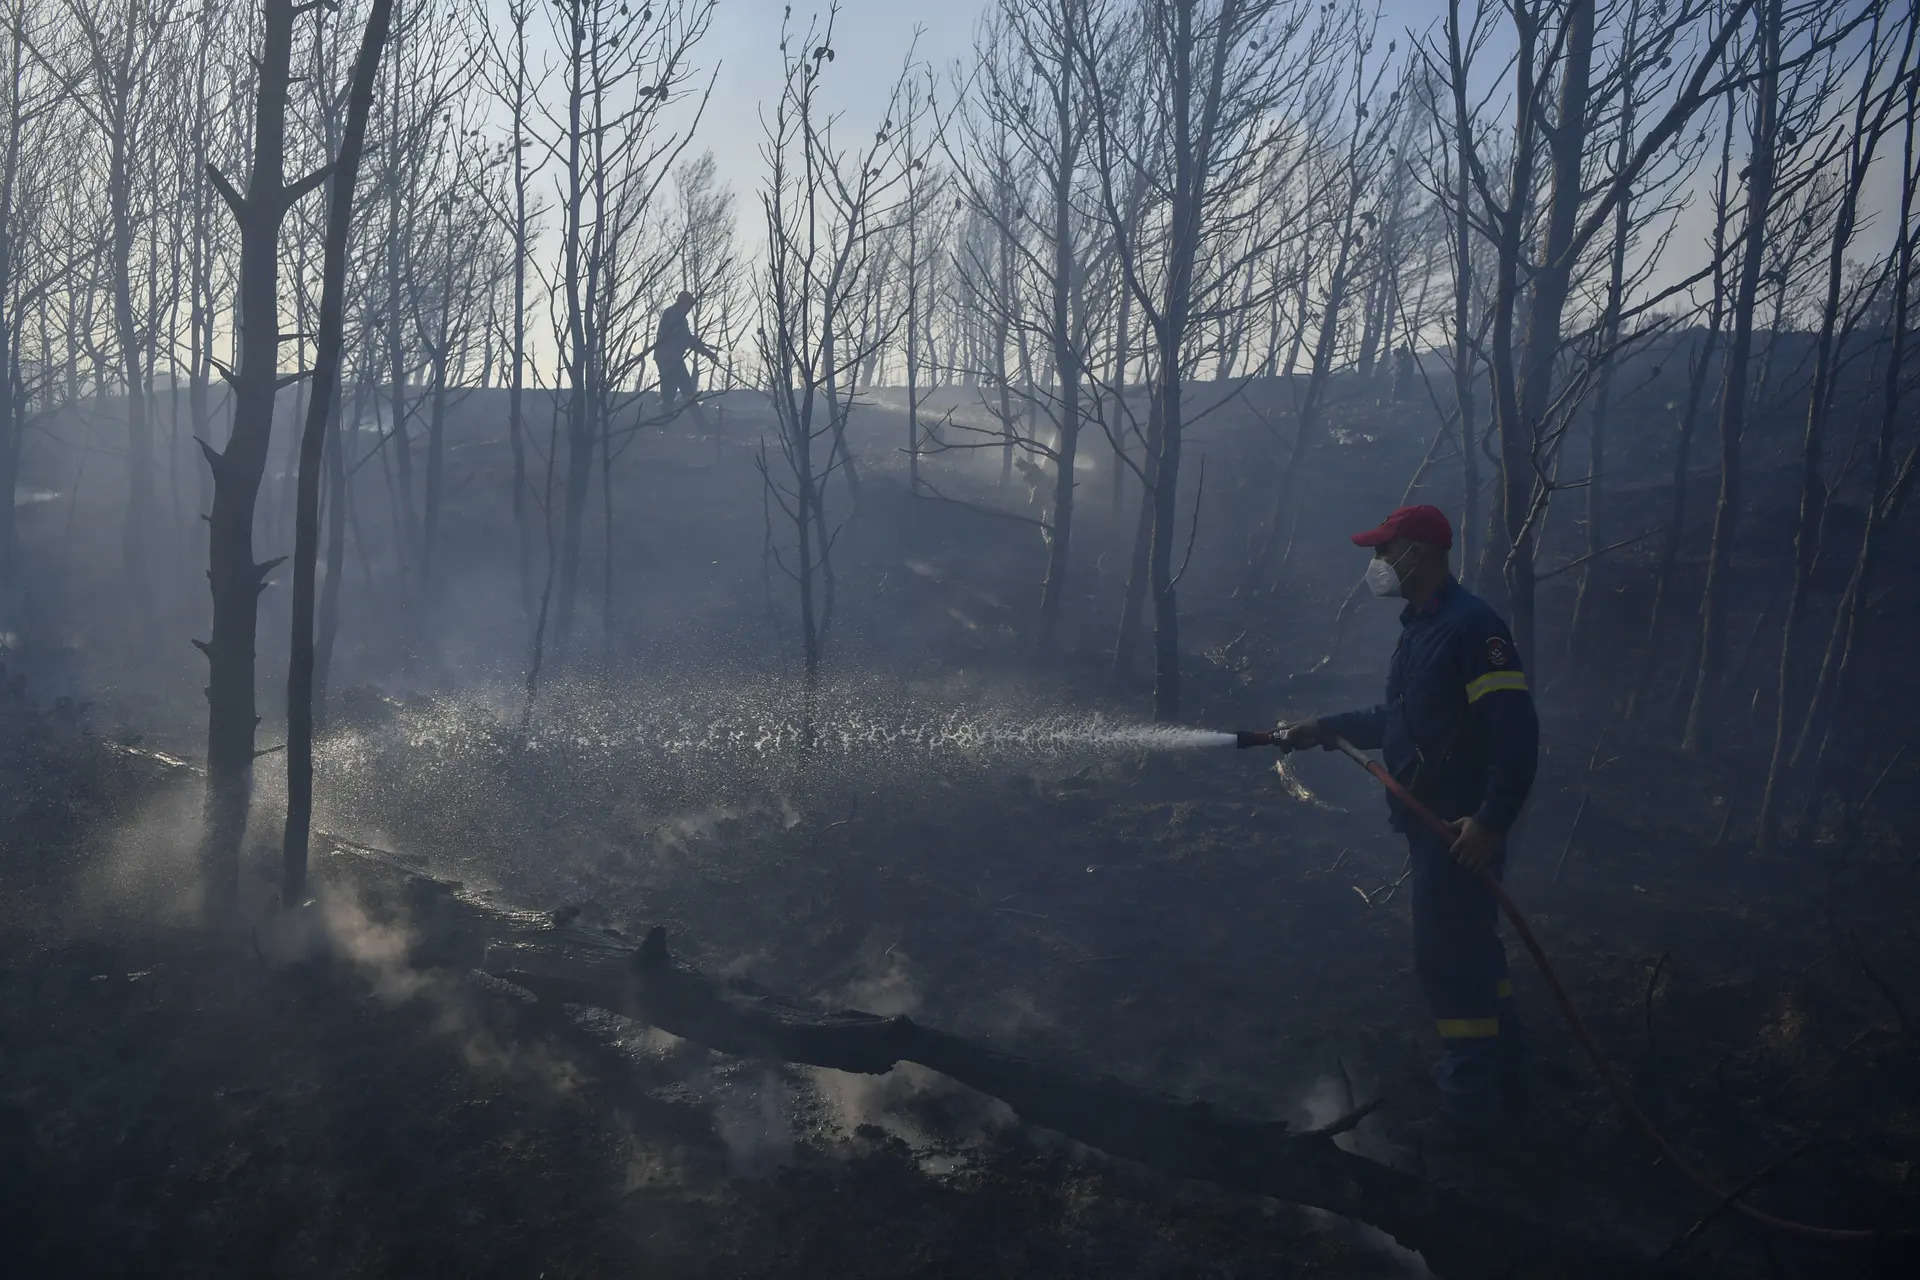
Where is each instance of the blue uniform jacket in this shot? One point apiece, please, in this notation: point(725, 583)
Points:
point(1458, 726)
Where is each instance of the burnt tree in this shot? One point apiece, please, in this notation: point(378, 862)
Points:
point(345, 172)
point(1759, 175)
point(234, 577)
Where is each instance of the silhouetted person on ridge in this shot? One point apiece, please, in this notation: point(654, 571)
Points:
point(670, 346)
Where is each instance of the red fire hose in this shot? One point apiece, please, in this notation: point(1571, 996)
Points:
point(1615, 1086)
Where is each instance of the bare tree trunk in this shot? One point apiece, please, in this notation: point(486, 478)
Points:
point(1733, 396)
point(1833, 687)
point(326, 383)
point(914, 212)
point(1302, 294)
point(1866, 134)
point(1515, 492)
point(171, 291)
point(1520, 441)
point(439, 356)
point(1171, 334)
point(1122, 338)
point(399, 236)
point(1675, 532)
point(1186, 211)
point(536, 657)
point(1285, 520)
point(12, 410)
point(10, 417)
point(200, 305)
point(1026, 348)
point(580, 441)
point(1165, 494)
point(327, 622)
point(1006, 312)
point(1597, 535)
point(13, 413)
point(817, 225)
point(1373, 310)
point(1463, 350)
point(1127, 640)
point(436, 476)
point(1699, 372)
point(516, 385)
point(1063, 323)
point(277, 520)
point(235, 578)
point(137, 531)
point(609, 627)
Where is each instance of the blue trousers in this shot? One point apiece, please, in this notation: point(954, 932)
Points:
point(1462, 967)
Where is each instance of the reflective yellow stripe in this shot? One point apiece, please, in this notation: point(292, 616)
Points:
point(1493, 682)
point(1505, 989)
point(1468, 1028)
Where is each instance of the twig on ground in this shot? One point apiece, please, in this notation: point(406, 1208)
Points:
point(1347, 1121)
point(1586, 793)
point(1727, 1201)
point(1859, 957)
point(1653, 981)
point(332, 837)
point(1720, 837)
point(1873, 790)
point(1386, 891)
point(1560, 867)
point(853, 809)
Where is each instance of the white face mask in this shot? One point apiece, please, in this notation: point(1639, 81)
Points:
point(1383, 577)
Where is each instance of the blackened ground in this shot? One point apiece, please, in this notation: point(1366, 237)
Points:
point(1186, 921)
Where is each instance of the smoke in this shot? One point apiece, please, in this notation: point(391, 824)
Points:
point(934, 1117)
point(930, 1114)
point(1014, 1014)
point(1328, 1099)
point(890, 992)
point(752, 1117)
point(379, 944)
point(380, 950)
point(151, 862)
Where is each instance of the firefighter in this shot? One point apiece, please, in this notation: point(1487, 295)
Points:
point(670, 346)
point(1458, 729)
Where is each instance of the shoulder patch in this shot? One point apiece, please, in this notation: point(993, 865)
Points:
point(1499, 652)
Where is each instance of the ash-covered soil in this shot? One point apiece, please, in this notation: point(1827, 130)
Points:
point(174, 1103)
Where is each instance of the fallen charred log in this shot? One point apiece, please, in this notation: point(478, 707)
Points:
point(1456, 1234)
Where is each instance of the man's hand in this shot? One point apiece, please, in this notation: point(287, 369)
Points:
point(1307, 733)
point(1476, 847)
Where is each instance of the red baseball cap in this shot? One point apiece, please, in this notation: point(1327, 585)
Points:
point(1416, 524)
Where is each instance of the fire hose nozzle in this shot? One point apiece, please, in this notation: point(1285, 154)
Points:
point(1257, 738)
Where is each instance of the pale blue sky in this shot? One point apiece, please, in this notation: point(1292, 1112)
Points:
point(872, 38)
point(874, 35)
